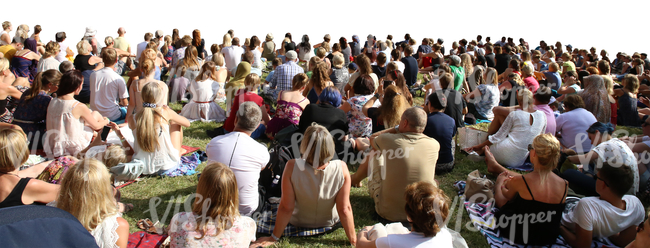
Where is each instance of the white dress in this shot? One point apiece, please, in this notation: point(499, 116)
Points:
point(161, 160)
point(49, 63)
point(510, 143)
point(257, 63)
point(2, 43)
point(106, 232)
point(202, 106)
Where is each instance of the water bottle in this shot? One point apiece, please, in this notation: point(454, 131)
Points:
point(275, 182)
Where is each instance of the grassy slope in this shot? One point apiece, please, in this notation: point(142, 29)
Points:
point(169, 189)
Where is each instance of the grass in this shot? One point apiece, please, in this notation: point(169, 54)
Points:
point(159, 198)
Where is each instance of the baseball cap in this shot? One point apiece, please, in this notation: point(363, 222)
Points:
point(440, 40)
point(353, 66)
point(291, 55)
point(456, 59)
point(159, 33)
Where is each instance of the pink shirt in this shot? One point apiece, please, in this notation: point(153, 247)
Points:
point(550, 117)
point(531, 84)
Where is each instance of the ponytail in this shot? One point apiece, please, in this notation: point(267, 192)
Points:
point(146, 119)
point(41, 81)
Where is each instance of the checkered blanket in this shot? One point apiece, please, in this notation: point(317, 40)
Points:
point(482, 216)
point(266, 224)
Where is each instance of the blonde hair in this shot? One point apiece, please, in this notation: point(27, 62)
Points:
point(609, 84)
point(147, 117)
point(251, 81)
point(567, 55)
point(466, 63)
point(83, 47)
point(51, 49)
point(227, 40)
point(148, 54)
point(317, 146)
point(108, 40)
point(6, 24)
point(493, 75)
point(321, 52)
point(527, 70)
point(218, 59)
point(338, 61)
point(547, 148)
point(524, 97)
point(217, 200)
point(113, 156)
point(4, 64)
point(16, 151)
point(86, 193)
point(23, 31)
point(147, 67)
point(631, 83)
point(553, 66)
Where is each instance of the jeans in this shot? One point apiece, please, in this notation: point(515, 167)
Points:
point(122, 117)
point(257, 133)
point(580, 182)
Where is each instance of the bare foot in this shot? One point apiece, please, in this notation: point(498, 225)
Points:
point(492, 164)
point(183, 151)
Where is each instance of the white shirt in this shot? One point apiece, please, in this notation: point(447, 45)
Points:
point(246, 161)
point(573, 126)
point(232, 56)
point(416, 240)
point(141, 47)
point(400, 66)
point(64, 51)
point(106, 89)
point(47, 64)
point(603, 219)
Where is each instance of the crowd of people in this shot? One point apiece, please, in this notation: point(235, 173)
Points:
point(353, 102)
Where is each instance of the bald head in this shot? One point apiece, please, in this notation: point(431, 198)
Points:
point(416, 120)
point(121, 31)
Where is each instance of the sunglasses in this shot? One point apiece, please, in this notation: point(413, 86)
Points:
point(530, 147)
point(598, 178)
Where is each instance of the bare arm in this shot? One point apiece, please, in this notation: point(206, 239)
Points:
point(344, 208)
point(175, 117)
point(122, 232)
point(583, 159)
point(580, 239)
point(88, 117)
point(368, 105)
point(624, 237)
point(6, 38)
point(39, 191)
point(345, 107)
point(94, 60)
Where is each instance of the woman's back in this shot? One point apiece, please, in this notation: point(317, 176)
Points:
point(81, 63)
point(203, 91)
point(315, 193)
point(66, 134)
point(166, 157)
point(269, 50)
point(106, 232)
point(137, 93)
point(183, 232)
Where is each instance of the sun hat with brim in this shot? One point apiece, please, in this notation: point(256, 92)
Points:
point(90, 31)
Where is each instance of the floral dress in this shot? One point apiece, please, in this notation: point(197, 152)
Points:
point(8, 115)
point(287, 113)
point(182, 231)
point(360, 125)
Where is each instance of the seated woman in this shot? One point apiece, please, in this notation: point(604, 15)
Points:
point(528, 76)
point(389, 113)
point(237, 83)
point(25, 61)
point(518, 130)
point(573, 123)
point(393, 74)
point(359, 124)
point(70, 125)
point(604, 148)
point(289, 106)
point(509, 90)
point(513, 67)
point(487, 93)
point(596, 98)
point(204, 91)
point(215, 218)
point(221, 75)
point(570, 85)
point(48, 61)
point(87, 194)
point(31, 110)
point(319, 80)
point(326, 112)
point(340, 75)
point(135, 91)
point(540, 192)
point(178, 86)
point(427, 207)
point(8, 93)
point(158, 142)
point(17, 187)
point(627, 102)
point(191, 61)
point(315, 190)
point(84, 61)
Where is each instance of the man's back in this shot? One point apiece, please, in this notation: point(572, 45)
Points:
point(122, 44)
point(283, 76)
point(141, 47)
point(106, 88)
point(410, 157)
point(490, 60)
point(232, 56)
point(410, 70)
point(246, 158)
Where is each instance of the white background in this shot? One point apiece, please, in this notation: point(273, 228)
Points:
point(612, 25)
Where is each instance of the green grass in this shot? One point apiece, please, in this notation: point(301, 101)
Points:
point(168, 190)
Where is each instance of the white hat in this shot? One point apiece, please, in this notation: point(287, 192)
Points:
point(291, 55)
point(90, 31)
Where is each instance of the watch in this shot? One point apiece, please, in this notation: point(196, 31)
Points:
point(397, 128)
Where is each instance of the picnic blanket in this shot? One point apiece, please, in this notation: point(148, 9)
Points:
point(483, 218)
point(267, 223)
point(142, 239)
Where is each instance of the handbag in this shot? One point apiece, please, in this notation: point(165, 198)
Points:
point(478, 189)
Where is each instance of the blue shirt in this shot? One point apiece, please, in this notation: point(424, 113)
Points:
point(283, 76)
point(553, 80)
point(442, 128)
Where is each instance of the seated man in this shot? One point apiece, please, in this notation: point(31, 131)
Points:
point(442, 128)
point(613, 215)
point(541, 100)
point(409, 155)
point(245, 156)
point(107, 87)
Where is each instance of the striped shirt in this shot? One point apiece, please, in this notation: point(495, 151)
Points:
point(283, 75)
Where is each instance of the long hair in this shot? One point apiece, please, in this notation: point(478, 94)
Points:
point(87, 194)
point(400, 82)
point(148, 117)
point(175, 36)
point(319, 76)
point(168, 42)
point(208, 71)
point(191, 57)
point(217, 199)
point(393, 106)
point(196, 37)
point(304, 45)
point(41, 81)
point(227, 40)
point(466, 63)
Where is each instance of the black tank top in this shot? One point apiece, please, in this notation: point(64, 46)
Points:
point(537, 223)
point(3, 105)
point(81, 63)
point(15, 198)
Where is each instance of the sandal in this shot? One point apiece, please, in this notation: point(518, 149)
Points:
point(146, 225)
